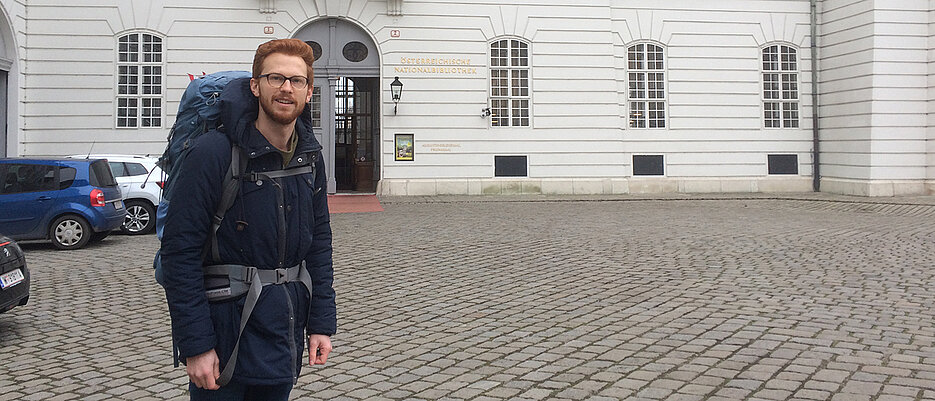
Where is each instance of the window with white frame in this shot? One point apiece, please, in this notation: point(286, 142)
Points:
point(139, 80)
point(780, 87)
point(509, 83)
point(647, 85)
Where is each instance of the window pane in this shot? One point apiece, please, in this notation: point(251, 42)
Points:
point(637, 85)
point(790, 115)
point(771, 58)
point(520, 112)
point(788, 59)
point(637, 114)
point(771, 86)
point(790, 86)
point(656, 85)
point(500, 112)
point(316, 107)
point(657, 115)
point(635, 56)
point(654, 57)
point(520, 83)
point(118, 169)
point(136, 169)
point(771, 114)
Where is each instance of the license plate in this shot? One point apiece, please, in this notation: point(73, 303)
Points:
point(12, 278)
point(118, 204)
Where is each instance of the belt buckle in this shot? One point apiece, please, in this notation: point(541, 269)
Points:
point(281, 276)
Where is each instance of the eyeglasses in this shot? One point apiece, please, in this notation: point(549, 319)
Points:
point(278, 80)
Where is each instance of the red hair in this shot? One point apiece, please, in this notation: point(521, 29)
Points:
point(289, 47)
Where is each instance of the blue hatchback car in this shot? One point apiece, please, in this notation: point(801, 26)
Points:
point(68, 201)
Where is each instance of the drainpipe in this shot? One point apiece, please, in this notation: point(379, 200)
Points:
point(816, 164)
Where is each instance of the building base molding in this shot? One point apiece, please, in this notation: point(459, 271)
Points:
point(594, 186)
point(875, 188)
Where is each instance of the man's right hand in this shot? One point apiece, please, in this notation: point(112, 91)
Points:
point(204, 370)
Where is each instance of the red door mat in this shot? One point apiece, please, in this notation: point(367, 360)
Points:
point(354, 204)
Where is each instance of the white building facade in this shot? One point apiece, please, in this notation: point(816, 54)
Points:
point(513, 96)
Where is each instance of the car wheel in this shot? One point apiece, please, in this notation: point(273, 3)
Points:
point(70, 232)
point(141, 218)
point(99, 236)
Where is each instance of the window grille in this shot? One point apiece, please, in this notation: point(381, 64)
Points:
point(647, 86)
point(509, 83)
point(139, 80)
point(780, 87)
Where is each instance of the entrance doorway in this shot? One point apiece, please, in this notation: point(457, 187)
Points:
point(346, 102)
point(355, 134)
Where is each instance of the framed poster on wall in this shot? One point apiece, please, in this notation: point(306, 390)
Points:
point(405, 147)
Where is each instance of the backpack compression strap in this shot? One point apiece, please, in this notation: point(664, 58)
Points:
point(232, 178)
point(256, 279)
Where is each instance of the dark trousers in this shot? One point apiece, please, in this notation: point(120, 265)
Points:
point(240, 392)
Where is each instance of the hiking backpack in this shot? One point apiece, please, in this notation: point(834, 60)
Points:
point(198, 113)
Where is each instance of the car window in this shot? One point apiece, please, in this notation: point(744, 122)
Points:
point(101, 175)
point(118, 169)
point(66, 177)
point(20, 178)
point(136, 169)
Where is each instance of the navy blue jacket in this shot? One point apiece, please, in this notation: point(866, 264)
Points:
point(270, 352)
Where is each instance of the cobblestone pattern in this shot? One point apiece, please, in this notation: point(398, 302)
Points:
point(647, 300)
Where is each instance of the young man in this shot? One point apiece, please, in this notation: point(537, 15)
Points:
point(275, 223)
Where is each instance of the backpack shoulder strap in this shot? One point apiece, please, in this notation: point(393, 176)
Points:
point(231, 185)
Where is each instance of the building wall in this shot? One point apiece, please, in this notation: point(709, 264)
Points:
point(874, 104)
point(930, 120)
point(846, 88)
point(898, 153)
point(874, 84)
point(12, 40)
point(716, 126)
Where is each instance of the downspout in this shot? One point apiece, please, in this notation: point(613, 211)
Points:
point(816, 164)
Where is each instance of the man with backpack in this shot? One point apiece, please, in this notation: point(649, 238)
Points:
point(246, 249)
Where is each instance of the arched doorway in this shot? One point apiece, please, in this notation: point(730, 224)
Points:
point(346, 102)
point(8, 75)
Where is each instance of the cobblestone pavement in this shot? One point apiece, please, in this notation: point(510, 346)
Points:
point(552, 299)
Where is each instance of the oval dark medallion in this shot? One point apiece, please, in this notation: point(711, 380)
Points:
point(355, 52)
point(316, 48)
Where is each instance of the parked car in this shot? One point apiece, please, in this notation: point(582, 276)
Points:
point(14, 277)
point(68, 201)
point(141, 183)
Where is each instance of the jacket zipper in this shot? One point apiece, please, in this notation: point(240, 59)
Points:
point(292, 347)
point(281, 228)
point(281, 222)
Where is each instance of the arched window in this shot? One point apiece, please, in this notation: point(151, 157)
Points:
point(647, 85)
point(139, 80)
point(509, 83)
point(780, 87)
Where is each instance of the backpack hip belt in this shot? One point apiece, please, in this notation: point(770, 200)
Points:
point(230, 281)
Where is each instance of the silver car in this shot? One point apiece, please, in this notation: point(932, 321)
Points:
point(141, 183)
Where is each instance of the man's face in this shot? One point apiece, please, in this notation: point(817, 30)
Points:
point(283, 104)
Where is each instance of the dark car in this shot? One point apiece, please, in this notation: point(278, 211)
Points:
point(14, 277)
point(68, 201)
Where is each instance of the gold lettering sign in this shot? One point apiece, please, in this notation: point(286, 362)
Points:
point(435, 66)
point(440, 147)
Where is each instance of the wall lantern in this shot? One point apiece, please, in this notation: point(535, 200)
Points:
point(396, 88)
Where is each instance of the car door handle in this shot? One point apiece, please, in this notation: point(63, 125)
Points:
point(44, 198)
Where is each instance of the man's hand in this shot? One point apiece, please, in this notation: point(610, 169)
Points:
point(204, 370)
point(319, 346)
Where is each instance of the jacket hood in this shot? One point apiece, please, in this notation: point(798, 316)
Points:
point(239, 110)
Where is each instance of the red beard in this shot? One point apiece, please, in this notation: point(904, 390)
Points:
point(277, 113)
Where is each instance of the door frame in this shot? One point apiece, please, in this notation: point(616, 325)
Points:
point(330, 69)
